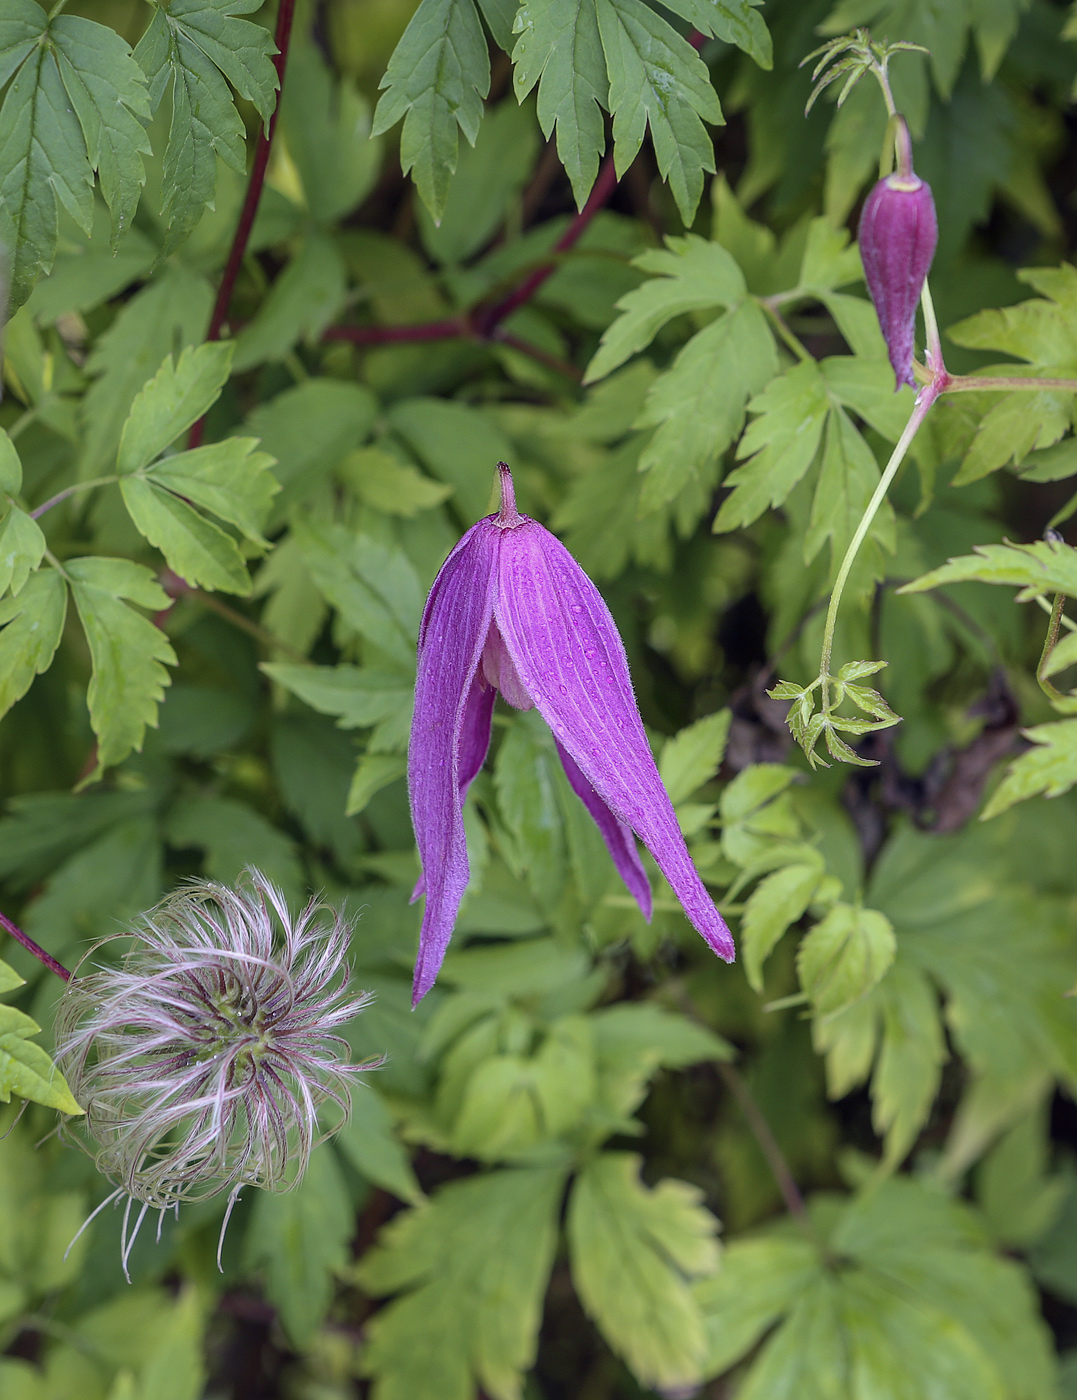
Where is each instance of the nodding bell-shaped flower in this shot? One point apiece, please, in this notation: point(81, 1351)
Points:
point(898, 233)
point(512, 611)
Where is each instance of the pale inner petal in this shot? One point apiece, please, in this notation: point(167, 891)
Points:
point(500, 670)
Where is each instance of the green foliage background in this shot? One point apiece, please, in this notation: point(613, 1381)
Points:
point(567, 1179)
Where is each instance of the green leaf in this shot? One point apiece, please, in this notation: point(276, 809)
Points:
point(374, 771)
point(559, 48)
point(229, 478)
point(698, 405)
point(22, 547)
point(9, 978)
point(848, 476)
point(368, 1142)
point(233, 836)
point(776, 902)
point(732, 21)
point(302, 1237)
point(33, 624)
point(758, 1282)
point(475, 1261)
point(658, 81)
point(191, 44)
point(436, 80)
point(199, 551)
point(43, 161)
point(1019, 1196)
point(458, 444)
point(175, 1369)
point(357, 696)
point(10, 466)
point(323, 120)
point(170, 310)
point(692, 757)
point(690, 274)
point(844, 956)
point(387, 484)
point(25, 1069)
point(633, 1250)
point(172, 400)
point(780, 444)
point(303, 300)
point(1050, 768)
point(373, 585)
point(526, 777)
point(108, 92)
point(1037, 568)
point(128, 652)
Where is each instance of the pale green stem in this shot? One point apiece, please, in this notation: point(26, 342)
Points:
point(781, 325)
point(71, 491)
point(934, 340)
point(928, 395)
point(968, 383)
point(1050, 641)
point(879, 68)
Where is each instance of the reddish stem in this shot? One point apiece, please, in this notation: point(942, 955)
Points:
point(35, 948)
point(485, 321)
point(281, 37)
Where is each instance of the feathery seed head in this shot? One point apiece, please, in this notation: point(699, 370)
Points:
point(202, 1060)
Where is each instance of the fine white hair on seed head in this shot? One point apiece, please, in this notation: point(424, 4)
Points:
point(203, 1058)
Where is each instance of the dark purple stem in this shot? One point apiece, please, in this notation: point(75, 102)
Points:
point(32, 947)
point(484, 322)
point(281, 38)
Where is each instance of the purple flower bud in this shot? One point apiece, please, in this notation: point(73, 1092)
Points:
point(512, 611)
point(898, 233)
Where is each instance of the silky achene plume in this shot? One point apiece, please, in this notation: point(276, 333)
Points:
point(202, 1060)
point(512, 611)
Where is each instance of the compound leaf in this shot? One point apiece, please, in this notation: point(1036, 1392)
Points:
point(32, 623)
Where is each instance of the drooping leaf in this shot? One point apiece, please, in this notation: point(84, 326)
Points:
point(436, 80)
point(733, 21)
point(474, 1261)
point(195, 45)
point(129, 653)
point(633, 1251)
point(32, 623)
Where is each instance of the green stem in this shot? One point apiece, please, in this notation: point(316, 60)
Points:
point(880, 69)
point(1050, 641)
point(934, 340)
point(781, 325)
point(967, 383)
point(23, 421)
point(928, 395)
point(71, 491)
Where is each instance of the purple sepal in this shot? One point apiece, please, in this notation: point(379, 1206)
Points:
point(898, 233)
point(511, 606)
point(618, 837)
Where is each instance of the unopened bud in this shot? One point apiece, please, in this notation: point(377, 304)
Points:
point(898, 234)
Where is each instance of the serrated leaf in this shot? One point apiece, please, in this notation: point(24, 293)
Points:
point(1037, 568)
point(658, 81)
point(108, 92)
point(758, 1282)
point(25, 1069)
point(526, 777)
point(732, 21)
point(33, 624)
point(233, 836)
point(42, 162)
point(560, 49)
point(475, 1260)
point(190, 45)
point(690, 274)
point(229, 478)
point(436, 80)
point(174, 398)
point(633, 1250)
point(302, 1237)
point(386, 483)
point(196, 549)
point(848, 476)
point(368, 1142)
point(691, 757)
point(357, 696)
point(780, 444)
point(10, 466)
point(303, 300)
point(1016, 425)
point(698, 405)
point(128, 652)
point(776, 902)
point(844, 956)
point(1049, 768)
point(22, 547)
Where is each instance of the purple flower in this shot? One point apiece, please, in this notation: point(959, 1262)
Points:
point(512, 611)
point(898, 233)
